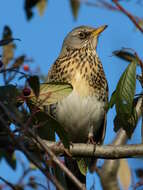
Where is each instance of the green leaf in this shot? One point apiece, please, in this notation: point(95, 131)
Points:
point(8, 50)
point(45, 131)
point(28, 6)
point(123, 99)
point(125, 90)
point(123, 96)
point(41, 5)
point(34, 84)
point(51, 93)
point(112, 100)
point(128, 123)
point(9, 94)
point(125, 55)
point(45, 120)
point(75, 5)
point(82, 166)
point(9, 97)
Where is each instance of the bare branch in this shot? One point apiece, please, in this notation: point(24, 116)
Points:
point(104, 151)
point(129, 15)
point(18, 143)
point(109, 170)
point(8, 183)
point(112, 151)
point(57, 162)
point(45, 148)
point(100, 4)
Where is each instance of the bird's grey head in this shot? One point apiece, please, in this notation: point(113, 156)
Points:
point(80, 37)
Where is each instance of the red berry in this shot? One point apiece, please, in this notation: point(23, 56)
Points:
point(1, 63)
point(26, 67)
point(26, 91)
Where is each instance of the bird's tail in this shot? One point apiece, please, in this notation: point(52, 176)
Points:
point(72, 165)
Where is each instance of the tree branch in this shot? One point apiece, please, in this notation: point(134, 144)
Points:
point(111, 151)
point(104, 151)
point(129, 15)
point(18, 143)
point(109, 170)
point(8, 183)
point(47, 149)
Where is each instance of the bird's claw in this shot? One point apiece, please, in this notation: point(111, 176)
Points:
point(91, 140)
point(66, 151)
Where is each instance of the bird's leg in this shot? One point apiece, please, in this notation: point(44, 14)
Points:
point(90, 136)
point(56, 144)
point(60, 144)
point(91, 140)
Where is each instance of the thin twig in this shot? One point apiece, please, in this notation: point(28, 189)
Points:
point(18, 142)
point(45, 172)
point(14, 70)
point(129, 15)
point(59, 164)
point(27, 171)
point(100, 3)
point(8, 183)
point(38, 184)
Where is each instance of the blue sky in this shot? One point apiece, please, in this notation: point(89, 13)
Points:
point(42, 38)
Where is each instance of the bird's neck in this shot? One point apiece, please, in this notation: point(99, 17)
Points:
point(84, 51)
point(81, 67)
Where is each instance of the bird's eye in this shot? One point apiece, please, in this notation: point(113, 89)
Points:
point(82, 35)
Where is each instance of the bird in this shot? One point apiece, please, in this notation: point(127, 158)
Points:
point(83, 112)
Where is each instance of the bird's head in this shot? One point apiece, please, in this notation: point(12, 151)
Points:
point(82, 36)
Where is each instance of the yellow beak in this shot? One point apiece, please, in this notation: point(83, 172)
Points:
point(97, 31)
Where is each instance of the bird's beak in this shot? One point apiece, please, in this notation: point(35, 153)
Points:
point(97, 31)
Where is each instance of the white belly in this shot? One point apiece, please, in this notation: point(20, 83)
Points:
point(80, 115)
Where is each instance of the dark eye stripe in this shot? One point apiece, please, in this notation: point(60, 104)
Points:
point(83, 35)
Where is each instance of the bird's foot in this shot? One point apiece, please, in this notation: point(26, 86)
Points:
point(71, 144)
point(59, 143)
point(91, 140)
point(68, 151)
point(56, 144)
point(65, 150)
